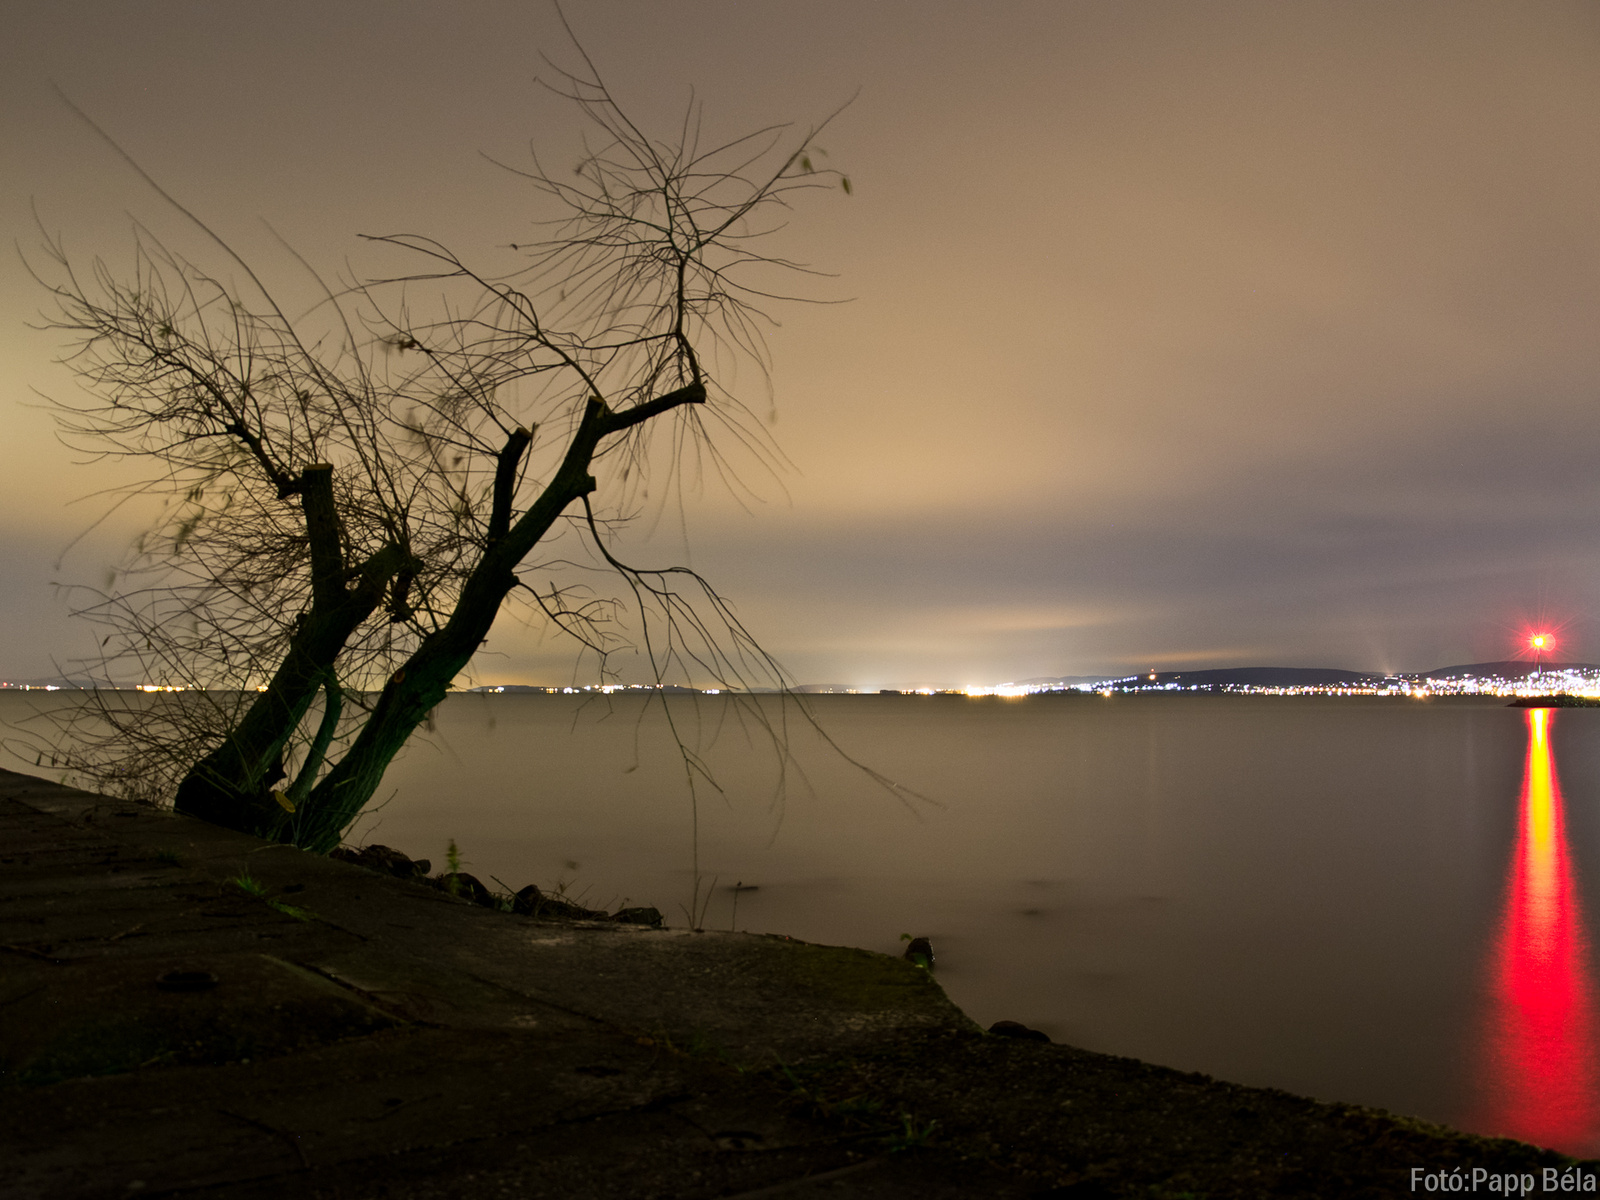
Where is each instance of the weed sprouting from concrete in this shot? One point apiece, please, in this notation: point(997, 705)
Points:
point(289, 910)
point(911, 1133)
point(919, 952)
point(251, 886)
point(862, 1115)
point(505, 899)
point(452, 859)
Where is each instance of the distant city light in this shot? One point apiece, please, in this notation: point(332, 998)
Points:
point(1539, 679)
point(999, 689)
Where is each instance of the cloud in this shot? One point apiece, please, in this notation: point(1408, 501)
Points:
point(1179, 334)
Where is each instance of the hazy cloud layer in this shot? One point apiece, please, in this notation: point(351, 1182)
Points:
point(1179, 334)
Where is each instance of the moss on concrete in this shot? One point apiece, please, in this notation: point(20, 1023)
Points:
point(857, 980)
point(93, 1019)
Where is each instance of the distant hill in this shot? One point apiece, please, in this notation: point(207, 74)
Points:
point(1513, 669)
point(1328, 676)
point(1263, 677)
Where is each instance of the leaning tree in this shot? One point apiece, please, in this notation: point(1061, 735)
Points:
point(354, 496)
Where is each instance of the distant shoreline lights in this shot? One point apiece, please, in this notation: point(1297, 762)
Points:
point(1566, 681)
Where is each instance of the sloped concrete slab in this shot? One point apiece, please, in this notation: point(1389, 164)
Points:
point(363, 1027)
point(105, 1016)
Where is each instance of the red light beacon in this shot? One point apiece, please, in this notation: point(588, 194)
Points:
point(1540, 644)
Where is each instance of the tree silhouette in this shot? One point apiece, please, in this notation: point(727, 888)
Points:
point(353, 496)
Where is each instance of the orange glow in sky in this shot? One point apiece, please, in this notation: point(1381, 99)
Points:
point(1540, 1083)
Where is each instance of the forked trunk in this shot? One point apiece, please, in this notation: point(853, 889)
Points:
point(409, 696)
point(230, 785)
point(414, 690)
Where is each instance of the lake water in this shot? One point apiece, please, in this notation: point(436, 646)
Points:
point(1382, 901)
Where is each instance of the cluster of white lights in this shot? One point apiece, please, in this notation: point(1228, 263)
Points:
point(1540, 683)
point(603, 688)
point(178, 687)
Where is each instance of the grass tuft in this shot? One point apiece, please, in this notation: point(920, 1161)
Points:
point(251, 886)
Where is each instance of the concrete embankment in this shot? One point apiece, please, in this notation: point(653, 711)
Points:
point(186, 1010)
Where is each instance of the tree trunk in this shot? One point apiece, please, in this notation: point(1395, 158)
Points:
point(229, 785)
point(409, 696)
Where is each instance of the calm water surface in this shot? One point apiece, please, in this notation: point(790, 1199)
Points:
point(1379, 901)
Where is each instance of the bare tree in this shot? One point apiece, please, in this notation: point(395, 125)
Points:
point(279, 472)
point(356, 495)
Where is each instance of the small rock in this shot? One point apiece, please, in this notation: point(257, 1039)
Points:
point(920, 951)
point(384, 860)
point(1016, 1029)
point(468, 887)
point(531, 902)
point(526, 902)
point(639, 916)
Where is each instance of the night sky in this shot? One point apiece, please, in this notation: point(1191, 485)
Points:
point(1178, 335)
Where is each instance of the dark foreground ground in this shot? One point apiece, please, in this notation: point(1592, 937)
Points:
point(369, 1037)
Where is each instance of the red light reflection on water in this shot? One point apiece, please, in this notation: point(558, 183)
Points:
point(1541, 1083)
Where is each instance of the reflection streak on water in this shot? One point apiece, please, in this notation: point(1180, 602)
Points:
point(1539, 1051)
